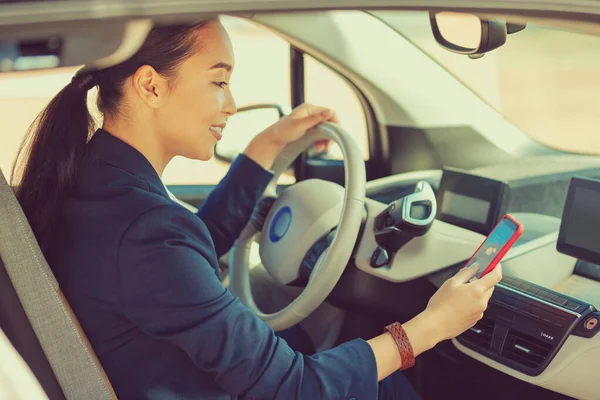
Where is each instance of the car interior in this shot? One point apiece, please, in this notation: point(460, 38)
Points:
point(464, 115)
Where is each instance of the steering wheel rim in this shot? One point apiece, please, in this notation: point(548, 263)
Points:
point(333, 261)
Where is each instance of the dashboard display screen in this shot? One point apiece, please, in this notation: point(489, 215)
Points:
point(584, 220)
point(465, 207)
point(580, 226)
point(471, 201)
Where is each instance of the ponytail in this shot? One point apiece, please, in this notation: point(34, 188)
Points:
point(56, 143)
point(57, 139)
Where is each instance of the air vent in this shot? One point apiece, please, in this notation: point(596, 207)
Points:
point(481, 334)
point(526, 350)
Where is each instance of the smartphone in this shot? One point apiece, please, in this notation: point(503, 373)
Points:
point(495, 246)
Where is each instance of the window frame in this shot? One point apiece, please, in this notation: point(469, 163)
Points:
point(377, 165)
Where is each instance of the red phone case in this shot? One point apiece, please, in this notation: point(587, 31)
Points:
point(504, 249)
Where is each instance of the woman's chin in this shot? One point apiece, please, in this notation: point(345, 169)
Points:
point(206, 156)
point(200, 154)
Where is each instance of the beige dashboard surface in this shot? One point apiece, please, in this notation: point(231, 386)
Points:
point(581, 288)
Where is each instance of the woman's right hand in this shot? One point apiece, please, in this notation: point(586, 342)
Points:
point(453, 309)
point(459, 304)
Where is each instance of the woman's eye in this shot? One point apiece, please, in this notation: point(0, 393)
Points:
point(221, 84)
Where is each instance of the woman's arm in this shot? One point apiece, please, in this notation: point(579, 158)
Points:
point(228, 208)
point(169, 289)
point(453, 309)
point(422, 335)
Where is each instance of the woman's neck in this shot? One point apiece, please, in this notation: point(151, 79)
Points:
point(142, 138)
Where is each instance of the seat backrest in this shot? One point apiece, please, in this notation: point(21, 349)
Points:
point(60, 336)
point(17, 382)
point(18, 330)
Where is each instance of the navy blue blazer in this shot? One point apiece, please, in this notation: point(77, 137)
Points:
point(141, 274)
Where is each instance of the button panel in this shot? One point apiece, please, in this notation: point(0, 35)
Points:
point(521, 317)
point(516, 309)
point(544, 294)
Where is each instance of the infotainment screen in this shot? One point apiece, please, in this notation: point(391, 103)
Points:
point(471, 201)
point(580, 225)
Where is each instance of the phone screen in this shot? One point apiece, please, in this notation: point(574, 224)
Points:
point(493, 245)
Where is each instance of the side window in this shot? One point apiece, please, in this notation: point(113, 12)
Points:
point(23, 95)
point(325, 87)
point(261, 75)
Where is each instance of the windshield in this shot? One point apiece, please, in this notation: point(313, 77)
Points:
point(544, 80)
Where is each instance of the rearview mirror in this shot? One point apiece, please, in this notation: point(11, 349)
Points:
point(467, 34)
point(242, 127)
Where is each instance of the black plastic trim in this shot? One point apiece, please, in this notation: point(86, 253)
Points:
point(516, 307)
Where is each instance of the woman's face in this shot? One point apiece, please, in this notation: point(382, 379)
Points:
point(194, 111)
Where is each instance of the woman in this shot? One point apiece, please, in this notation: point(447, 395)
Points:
point(141, 272)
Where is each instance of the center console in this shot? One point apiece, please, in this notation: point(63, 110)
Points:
point(525, 324)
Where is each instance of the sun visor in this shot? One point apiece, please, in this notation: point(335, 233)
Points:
point(96, 44)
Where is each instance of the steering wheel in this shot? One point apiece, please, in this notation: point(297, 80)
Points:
point(301, 216)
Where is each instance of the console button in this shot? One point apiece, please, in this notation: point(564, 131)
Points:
point(551, 297)
point(561, 301)
point(591, 323)
point(508, 280)
point(542, 294)
point(524, 286)
point(533, 291)
point(380, 257)
point(589, 327)
point(571, 305)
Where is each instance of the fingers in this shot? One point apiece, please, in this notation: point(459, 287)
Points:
point(487, 295)
point(491, 279)
point(322, 146)
point(313, 119)
point(334, 118)
point(466, 274)
point(315, 115)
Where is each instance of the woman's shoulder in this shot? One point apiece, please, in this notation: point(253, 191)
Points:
point(127, 202)
point(168, 226)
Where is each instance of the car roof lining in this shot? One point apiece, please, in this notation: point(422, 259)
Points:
point(101, 43)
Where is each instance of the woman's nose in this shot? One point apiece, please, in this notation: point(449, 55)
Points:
point(229, 107)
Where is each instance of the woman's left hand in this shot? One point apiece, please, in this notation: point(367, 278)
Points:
point(266, 145)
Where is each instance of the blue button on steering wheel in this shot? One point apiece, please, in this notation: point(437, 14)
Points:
point(280, 224)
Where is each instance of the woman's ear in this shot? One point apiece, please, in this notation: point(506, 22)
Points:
point(150, 86)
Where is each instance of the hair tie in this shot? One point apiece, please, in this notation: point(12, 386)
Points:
point(84, 80)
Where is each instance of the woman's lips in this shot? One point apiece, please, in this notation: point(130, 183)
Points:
point(217, 132)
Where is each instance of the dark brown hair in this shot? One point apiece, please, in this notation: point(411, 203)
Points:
point(52, 152)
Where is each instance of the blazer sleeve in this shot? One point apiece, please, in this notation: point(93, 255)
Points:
point(228, 208)
point(170, 290)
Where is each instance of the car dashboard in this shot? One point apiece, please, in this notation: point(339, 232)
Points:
point(541, 324)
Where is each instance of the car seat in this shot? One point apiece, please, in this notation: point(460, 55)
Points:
point(37, 319)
